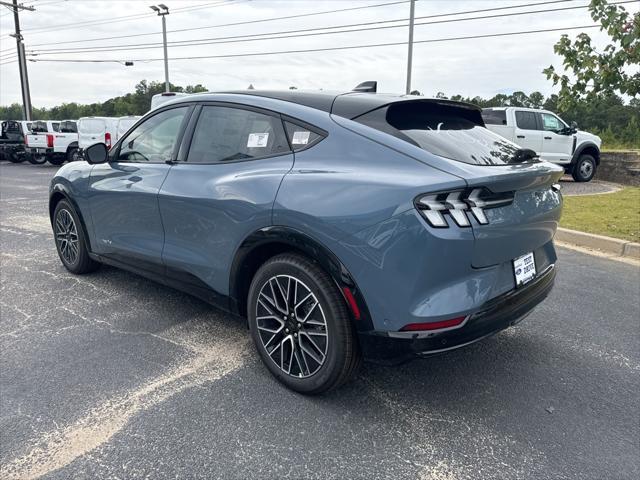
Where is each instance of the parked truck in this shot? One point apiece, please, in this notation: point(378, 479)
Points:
point(12, 140)
point(39, 142)
point(549, 136)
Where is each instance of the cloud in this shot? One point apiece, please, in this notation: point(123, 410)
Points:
point(469, 67)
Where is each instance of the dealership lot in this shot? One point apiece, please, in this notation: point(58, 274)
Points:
point(112, 376)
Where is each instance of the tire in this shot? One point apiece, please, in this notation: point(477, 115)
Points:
point(584, 169)
point(310, 355)
point(72, 155)
point(38, 159)
point(57, 159)
point(13, 157)
point(67, 233)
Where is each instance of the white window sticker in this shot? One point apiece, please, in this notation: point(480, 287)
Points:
point(300, 137)
point(258, 140)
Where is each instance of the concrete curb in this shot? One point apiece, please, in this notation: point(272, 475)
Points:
point(613, 246)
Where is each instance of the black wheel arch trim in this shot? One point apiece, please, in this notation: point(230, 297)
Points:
point(295, 240)
point(58, 190)
point(581, 148)
point(72, 145)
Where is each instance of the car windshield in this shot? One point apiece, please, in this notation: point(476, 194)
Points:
point(452, 131)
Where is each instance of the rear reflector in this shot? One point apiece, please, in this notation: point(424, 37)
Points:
point(351, 301)
point(414, 327)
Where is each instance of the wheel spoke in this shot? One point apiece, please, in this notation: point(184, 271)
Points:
point(296, 344)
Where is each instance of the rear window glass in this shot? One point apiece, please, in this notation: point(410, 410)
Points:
point(450, 131)
point(526, 120)
point(494, 117)
point(91, 126)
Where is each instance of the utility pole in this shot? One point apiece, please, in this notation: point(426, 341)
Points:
point(22, 62)
point(410, 52)
point(162, 11)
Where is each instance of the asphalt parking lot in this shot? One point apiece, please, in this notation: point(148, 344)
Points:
point(109, 375)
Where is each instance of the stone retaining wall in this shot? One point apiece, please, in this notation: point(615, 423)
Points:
point(620, 167)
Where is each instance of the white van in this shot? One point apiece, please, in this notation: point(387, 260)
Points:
point(92, 130)
point(160, 98)
point(124, 124)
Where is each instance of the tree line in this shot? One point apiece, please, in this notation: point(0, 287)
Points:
point(617, 122)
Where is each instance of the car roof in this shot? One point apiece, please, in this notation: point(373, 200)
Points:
point(347, 104)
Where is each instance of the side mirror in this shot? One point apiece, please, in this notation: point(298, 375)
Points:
point(574, 125)
point(96, 153)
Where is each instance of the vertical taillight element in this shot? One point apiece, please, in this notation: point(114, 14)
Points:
point(107, 140)
point(458, 204)
point(50, 141)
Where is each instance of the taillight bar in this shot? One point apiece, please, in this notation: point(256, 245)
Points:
point(50, 141)
point(458, 204)
point(107, 140)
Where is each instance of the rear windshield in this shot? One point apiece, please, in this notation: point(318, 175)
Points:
point(91, 125)
point(451, 131)
point(494, 117)
point(39, 127)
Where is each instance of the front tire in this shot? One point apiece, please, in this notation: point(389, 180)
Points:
point(301, 326)
point(584, 169)
point(70, 240)
point(72, 155)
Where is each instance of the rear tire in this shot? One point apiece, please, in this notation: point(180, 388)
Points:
point(37, 159)
point(584, 169)
point(72, 155)
point(13, 157)
point(71, 243)
point(308, 345)
point(57, 159)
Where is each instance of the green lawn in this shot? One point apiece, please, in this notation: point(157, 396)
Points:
point(614, 214)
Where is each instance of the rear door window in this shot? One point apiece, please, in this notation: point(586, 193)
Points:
point(526, 120)
point(68, 127)
point(39, 127)
point(225, 134)
point(494, 117)
point(452, 131)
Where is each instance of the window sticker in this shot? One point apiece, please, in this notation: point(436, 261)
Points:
point(300, 137)
point(258, 140)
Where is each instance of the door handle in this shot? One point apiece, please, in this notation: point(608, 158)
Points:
point(547, 138)
point(520, 136)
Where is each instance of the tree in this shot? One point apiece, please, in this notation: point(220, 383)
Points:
point(536, 99)
point(441, 95)
point(594, 73)
point(415, 92)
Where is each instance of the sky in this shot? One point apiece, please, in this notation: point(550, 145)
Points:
point(470, 67)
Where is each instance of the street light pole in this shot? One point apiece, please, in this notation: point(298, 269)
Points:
point(162, 11)
point(410, 52)
point(22, 62)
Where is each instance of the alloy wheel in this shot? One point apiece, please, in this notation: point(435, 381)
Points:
point(292, 326)
point(67, 236)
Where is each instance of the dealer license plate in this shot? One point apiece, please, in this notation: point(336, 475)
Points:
point(524, 269)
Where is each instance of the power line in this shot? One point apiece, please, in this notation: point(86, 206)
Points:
point(285, 34)
point(248, 22)
point(126, 18)
point(327, 49)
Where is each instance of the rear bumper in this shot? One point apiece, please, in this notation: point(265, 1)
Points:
point(492, 317)
point(39, 150)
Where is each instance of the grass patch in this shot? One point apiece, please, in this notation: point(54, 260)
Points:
point(614, 214)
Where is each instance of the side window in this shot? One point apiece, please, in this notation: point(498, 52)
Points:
point(526, 120)
point(494, 117)
point(55, 126)
point(551, 123)
point(301, 137)
point(154, 140)
point(225, 134)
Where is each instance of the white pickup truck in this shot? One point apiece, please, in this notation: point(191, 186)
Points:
point(39, 141)
point(549, 136)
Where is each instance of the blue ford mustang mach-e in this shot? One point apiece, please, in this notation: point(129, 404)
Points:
point(342, 226)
